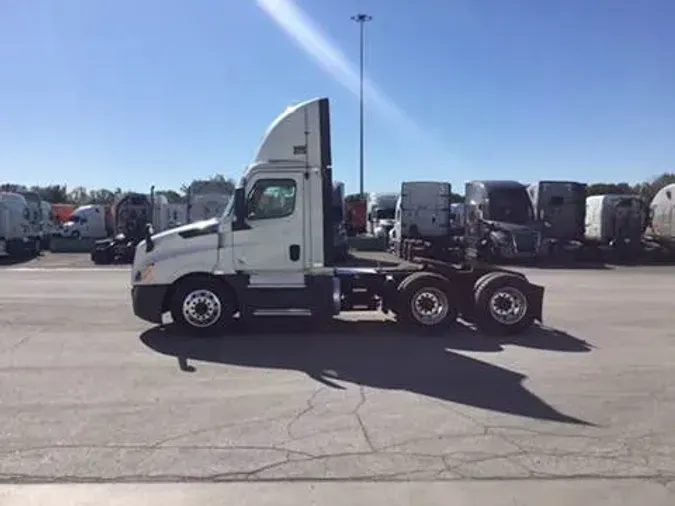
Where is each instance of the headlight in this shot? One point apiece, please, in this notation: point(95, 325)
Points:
point(144, 275)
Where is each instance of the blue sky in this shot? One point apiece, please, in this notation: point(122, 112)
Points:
point(132, 93)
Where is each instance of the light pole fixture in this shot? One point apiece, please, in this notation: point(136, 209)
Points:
point(361, 19)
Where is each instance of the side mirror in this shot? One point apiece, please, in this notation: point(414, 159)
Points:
point(149, 243)
point(240, 209)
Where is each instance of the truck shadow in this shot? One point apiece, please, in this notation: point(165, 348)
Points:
point(376, 357)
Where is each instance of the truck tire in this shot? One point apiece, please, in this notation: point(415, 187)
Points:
point(501, 303)
point(202, 306)
point(425, 302)
point(100, 256)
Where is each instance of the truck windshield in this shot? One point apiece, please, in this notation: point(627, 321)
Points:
point(510, 206)
point(385, 214)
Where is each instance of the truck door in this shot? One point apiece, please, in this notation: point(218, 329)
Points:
point(272, 249)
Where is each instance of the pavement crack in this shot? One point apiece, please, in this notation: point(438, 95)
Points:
point(212, 428)
point(362, 425)
point(310, 406)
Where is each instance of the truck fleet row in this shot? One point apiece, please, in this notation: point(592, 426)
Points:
point(507, 220)
point(27, 222)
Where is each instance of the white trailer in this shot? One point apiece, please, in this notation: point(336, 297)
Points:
point(271, 254)
point(15, 226)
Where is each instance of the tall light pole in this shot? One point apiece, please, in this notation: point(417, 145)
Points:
point(361, 19)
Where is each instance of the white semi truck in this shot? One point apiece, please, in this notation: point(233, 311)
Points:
point(88, 221)
point(271, 254)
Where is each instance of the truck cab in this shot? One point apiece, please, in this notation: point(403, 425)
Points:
point(500, 221)
point(561, 205)
point(86, 221)
point(271, 253)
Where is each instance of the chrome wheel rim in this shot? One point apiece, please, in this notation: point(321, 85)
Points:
point(202, 308)
point(508, 305)
point(430, 306)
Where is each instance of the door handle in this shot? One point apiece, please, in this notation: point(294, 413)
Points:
point(294, 252)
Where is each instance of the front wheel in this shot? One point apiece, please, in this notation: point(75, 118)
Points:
point(502, 303)
point(202, 306)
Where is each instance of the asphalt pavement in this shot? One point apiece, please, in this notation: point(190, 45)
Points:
point(92, 394)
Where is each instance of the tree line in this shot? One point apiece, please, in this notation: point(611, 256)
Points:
point(79, 196)
point(60, 194)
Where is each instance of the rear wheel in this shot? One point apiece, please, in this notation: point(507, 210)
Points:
point(202, 306)
point(425, 302)
point(502, 303)
point(101, 256)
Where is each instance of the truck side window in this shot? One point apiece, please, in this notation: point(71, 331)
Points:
point(271, 198)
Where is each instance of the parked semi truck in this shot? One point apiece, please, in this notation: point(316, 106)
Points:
point(271, 254)
point(89, 221)
point(131, 213)
point(561, 207)
point(15, 226)
point(617, 222)
point(500, 222)
point(423, 224)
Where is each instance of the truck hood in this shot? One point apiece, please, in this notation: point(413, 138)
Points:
point(190, 227)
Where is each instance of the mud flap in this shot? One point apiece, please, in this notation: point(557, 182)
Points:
point(536, 299)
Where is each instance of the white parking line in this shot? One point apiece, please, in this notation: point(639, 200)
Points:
point(68, 269)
